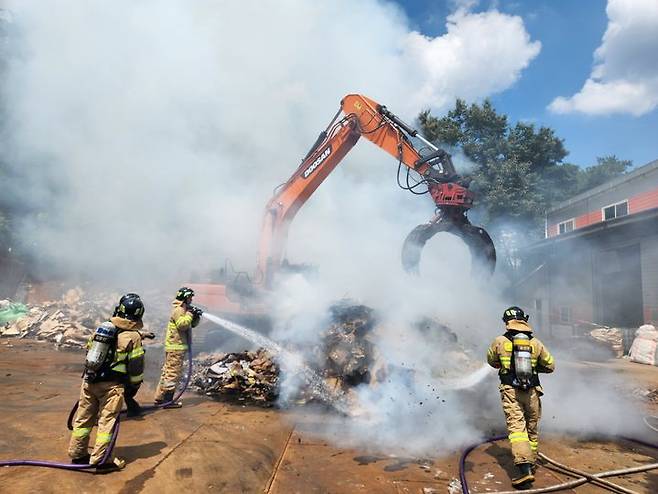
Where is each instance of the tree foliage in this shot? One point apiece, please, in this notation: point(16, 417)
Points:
point(606, 168)
point(519, 170)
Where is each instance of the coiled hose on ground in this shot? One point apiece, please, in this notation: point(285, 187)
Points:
point(582, 477)
point(66, 466)
point(115, 430)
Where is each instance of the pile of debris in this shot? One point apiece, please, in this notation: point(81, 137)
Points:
point(67, 322)
point(343, 358)
point(346, 352)
point(251, 377)
point(611, 338)
point(646, 394)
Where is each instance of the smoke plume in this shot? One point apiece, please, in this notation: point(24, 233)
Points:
point(145, 138)
point(144, 135)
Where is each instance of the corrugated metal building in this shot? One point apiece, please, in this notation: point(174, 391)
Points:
point(599, 261)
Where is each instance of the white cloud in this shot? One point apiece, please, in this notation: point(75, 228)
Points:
point(618, 96)
point(625, 76)
point(480, 54)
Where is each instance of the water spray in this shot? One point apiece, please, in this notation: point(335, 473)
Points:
point(291, 361)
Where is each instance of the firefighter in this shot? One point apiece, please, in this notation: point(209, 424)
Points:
point(520, 358)
point(114, 365)
point(184, 316)
point(130, 390)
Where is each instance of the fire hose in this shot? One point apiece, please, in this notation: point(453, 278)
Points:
point(66, 466)
point(582, 477)
point(115, 430)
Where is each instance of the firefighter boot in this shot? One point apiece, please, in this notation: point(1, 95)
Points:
point(111, 466)
point(525, 477)
point(167, 400)
point(134, 408)
point(83, 460)
point(165, 397)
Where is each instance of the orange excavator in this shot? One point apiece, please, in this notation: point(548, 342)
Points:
point(434, 174)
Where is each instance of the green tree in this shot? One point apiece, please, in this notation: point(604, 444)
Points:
point(606, 168)
point(519, 170)
point(516, 167)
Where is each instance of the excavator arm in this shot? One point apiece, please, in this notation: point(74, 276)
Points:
point(436, 175)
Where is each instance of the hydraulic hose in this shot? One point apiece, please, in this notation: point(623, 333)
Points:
point(565, 485)
point(115, 430)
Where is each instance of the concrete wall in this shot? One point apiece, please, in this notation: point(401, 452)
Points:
point(571, 286)
point(562, 287)
point(604, 275)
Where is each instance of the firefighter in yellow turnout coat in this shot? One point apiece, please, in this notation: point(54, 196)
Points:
point(520, 357)
point(183, 317)
point(117, 368)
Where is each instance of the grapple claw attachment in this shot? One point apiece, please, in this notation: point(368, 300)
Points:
point(483, 252)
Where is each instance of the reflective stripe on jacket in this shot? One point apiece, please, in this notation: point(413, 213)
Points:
point(129, 357)
point(180, 322)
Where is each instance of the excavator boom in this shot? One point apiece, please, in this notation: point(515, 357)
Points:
point(432, 172)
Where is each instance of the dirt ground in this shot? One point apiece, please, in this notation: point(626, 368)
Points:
point(215, 447)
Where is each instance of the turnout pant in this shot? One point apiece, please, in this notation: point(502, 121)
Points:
point(522, 413)
point(172, 370)
point(100, 403)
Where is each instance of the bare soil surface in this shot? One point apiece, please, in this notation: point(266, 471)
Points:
point(208, 446)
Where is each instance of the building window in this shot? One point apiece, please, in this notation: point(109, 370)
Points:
point(615, 211)
point(565, 314)
point(565, 227)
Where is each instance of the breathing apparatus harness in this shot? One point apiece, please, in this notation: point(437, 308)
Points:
point(100, 356)
point(521, 374)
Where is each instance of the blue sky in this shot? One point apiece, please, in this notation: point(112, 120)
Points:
point(569, 31)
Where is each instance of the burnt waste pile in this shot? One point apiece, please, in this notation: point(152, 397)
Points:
point(250, 377)
point(344, 357)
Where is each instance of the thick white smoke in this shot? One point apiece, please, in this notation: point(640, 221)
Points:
point(151, 133)
point(146, 137)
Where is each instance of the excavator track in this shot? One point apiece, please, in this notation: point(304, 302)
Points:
point(483, 252)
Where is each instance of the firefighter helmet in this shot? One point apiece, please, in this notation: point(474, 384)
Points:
point(130, 307)
point(515, 314)
point(127, 296)
point(184, 294)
